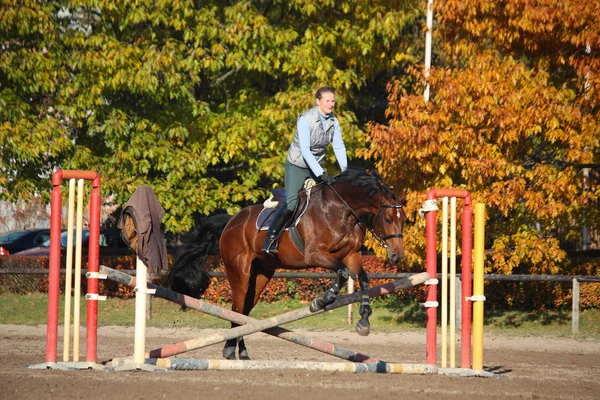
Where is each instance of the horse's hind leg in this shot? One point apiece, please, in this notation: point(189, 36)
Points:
point(363, 327)
point(332, 293)
point(238, 306)
point(243, 302)
point(239, 278)
point(248, 305)
point(230, 346)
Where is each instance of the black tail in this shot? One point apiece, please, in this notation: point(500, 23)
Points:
point(189, 273)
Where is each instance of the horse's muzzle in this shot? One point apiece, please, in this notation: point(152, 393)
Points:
point(395, 258)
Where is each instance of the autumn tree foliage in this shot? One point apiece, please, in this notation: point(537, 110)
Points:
point(197, 99)
point(514, 117)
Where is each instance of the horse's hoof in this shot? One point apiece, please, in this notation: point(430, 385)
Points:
point(317, 304)
point(229, 353)
point(244, 356)
point(363, 330)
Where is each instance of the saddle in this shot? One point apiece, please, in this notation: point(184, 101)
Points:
point(276, 201)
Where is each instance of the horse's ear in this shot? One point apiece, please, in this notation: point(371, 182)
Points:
point(401, 195)
point(374, 172)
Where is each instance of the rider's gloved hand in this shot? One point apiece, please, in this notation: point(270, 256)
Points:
point(325, 178)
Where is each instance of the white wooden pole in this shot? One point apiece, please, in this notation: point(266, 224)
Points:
point(350, 289)
point(428, 40)
point(453, 282)
point(77, 288)
point(458, 297)
point(69, 272)
point(444, 294)
point(141, 278)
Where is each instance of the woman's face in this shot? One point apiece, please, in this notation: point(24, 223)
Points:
point(326, 103)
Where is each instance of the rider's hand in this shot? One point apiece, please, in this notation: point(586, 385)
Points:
point(325, 178)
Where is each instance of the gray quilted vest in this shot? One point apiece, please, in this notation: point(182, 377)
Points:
point(319, 138)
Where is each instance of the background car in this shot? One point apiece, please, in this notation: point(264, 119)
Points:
point(110, 244)
point(19, 240)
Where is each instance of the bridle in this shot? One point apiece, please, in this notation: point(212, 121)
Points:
point(379, 214)
point(380, 239)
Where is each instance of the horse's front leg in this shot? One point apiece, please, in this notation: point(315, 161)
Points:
point(363, 327)
point(332, 293)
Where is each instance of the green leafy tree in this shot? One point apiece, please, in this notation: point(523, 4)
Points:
point(513, 117)
point(197, 99)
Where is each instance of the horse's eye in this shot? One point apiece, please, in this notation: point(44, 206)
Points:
point(388, 220)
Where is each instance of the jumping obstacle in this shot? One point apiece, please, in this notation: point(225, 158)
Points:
point(54, 271)
point(360, 362)
point(240, 319)
point(430, 207)
point(269, 326)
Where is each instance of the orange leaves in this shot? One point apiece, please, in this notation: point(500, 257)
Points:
point(514, 110)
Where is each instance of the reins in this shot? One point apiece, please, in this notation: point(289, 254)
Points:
point(382, 240)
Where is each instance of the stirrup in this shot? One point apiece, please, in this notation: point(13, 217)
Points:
point(271, 248)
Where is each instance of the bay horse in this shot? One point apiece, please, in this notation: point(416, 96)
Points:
point(333, 226)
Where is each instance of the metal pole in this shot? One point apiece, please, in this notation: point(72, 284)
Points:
point(91, 350)
point(585, 233)
point(431, 260)
point(458, 297)
point(453, 282)
point(575, 307)
point(428, 40)
point(54, 268)
point(478, 297)
point(466, 290)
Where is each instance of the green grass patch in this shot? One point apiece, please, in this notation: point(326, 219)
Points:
point(388, 316)
point(543, 323)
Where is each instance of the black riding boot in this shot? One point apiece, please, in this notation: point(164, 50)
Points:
point(276, 227)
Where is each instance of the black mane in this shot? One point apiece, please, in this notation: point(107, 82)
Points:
point(369, 181)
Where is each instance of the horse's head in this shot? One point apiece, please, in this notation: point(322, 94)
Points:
point(383, 205)
point(387, 226)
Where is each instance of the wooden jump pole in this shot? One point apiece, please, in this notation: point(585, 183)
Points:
point(197, 343)
point(228, 315)
point(69, 272)
point(253, 326)
point(444, 294)
point(248, 365)
point(77, 285)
